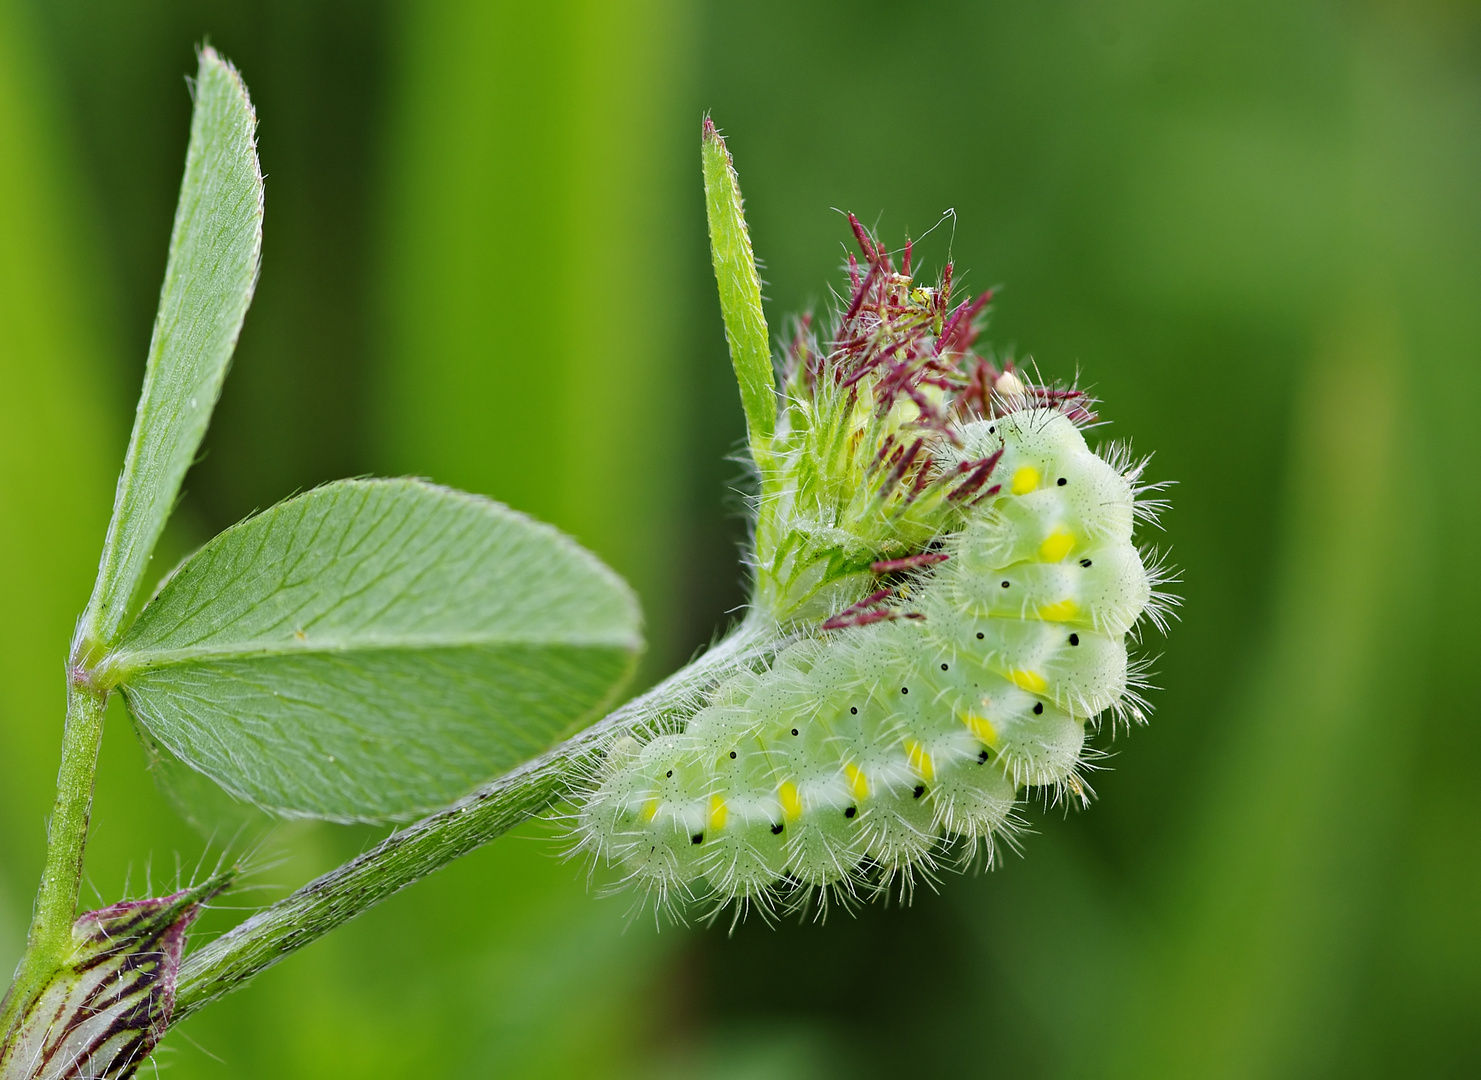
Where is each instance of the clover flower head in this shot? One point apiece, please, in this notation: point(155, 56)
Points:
point(865, 470)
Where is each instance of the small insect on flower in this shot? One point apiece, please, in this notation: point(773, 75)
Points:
point(954, 580)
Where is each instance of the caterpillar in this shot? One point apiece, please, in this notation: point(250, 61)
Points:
point(952, 578)
point(860, 750)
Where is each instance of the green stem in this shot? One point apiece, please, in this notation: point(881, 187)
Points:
point(410, 854)
point(50, 941)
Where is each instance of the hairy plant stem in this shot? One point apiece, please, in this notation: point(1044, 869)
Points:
point(412, 853)
point(49, 944)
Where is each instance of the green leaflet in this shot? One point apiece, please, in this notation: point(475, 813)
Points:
point(204, 805)
point(375, 648)
point(212, 269)
point(740, 290)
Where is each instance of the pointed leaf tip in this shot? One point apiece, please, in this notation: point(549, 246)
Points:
point(215, 249)
point(740, 289)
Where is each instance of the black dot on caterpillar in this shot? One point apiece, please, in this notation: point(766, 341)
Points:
point(1061, 481)
point(1074, 640)
point(776, 830)
point(732, 754)
point(794, 731)
point(853, 711)
point(669, 774)
point(904, 689)
point(945, 668)
point(697, 838)
point(982, 758)
point(1038, 708)
point(979, 635)
point(1005, 584)
point(1084, 562)
point(851, 811)
point(920, 789)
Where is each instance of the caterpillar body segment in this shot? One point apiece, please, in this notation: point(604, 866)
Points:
point(856, 752)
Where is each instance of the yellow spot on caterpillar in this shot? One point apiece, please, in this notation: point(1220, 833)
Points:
point(718, 812)
point(1063, 611)
point(1024, 480)
point(790, 800)
point(1031, 681)
point(650, 808)
point(1058, 544)
point(858, 783)
point(920, 760)
point(982, 728)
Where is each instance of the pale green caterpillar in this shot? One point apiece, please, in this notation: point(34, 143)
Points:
point(855, 752)
point(946, 577)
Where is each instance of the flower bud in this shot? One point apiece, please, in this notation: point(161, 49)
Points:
point(104, 1010)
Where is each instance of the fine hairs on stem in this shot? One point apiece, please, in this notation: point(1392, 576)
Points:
point(410, 854)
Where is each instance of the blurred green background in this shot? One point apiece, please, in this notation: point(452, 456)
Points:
point(1254, 226)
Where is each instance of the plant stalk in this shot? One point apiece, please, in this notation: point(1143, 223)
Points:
point(49, 943)
point(410, 854)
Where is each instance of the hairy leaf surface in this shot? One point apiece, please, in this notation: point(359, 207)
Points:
point(212, 269)
point(373, 649)
point(740, 289)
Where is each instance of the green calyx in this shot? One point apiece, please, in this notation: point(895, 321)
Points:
point(859, 450)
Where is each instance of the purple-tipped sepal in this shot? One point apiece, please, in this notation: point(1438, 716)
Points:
point(106, 1009)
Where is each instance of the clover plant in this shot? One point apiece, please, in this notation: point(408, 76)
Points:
point(388, 650)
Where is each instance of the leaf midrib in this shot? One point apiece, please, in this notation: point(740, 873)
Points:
point(117, 667)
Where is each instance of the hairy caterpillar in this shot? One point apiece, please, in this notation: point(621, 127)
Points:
point(858, 750)
point(948, 576)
